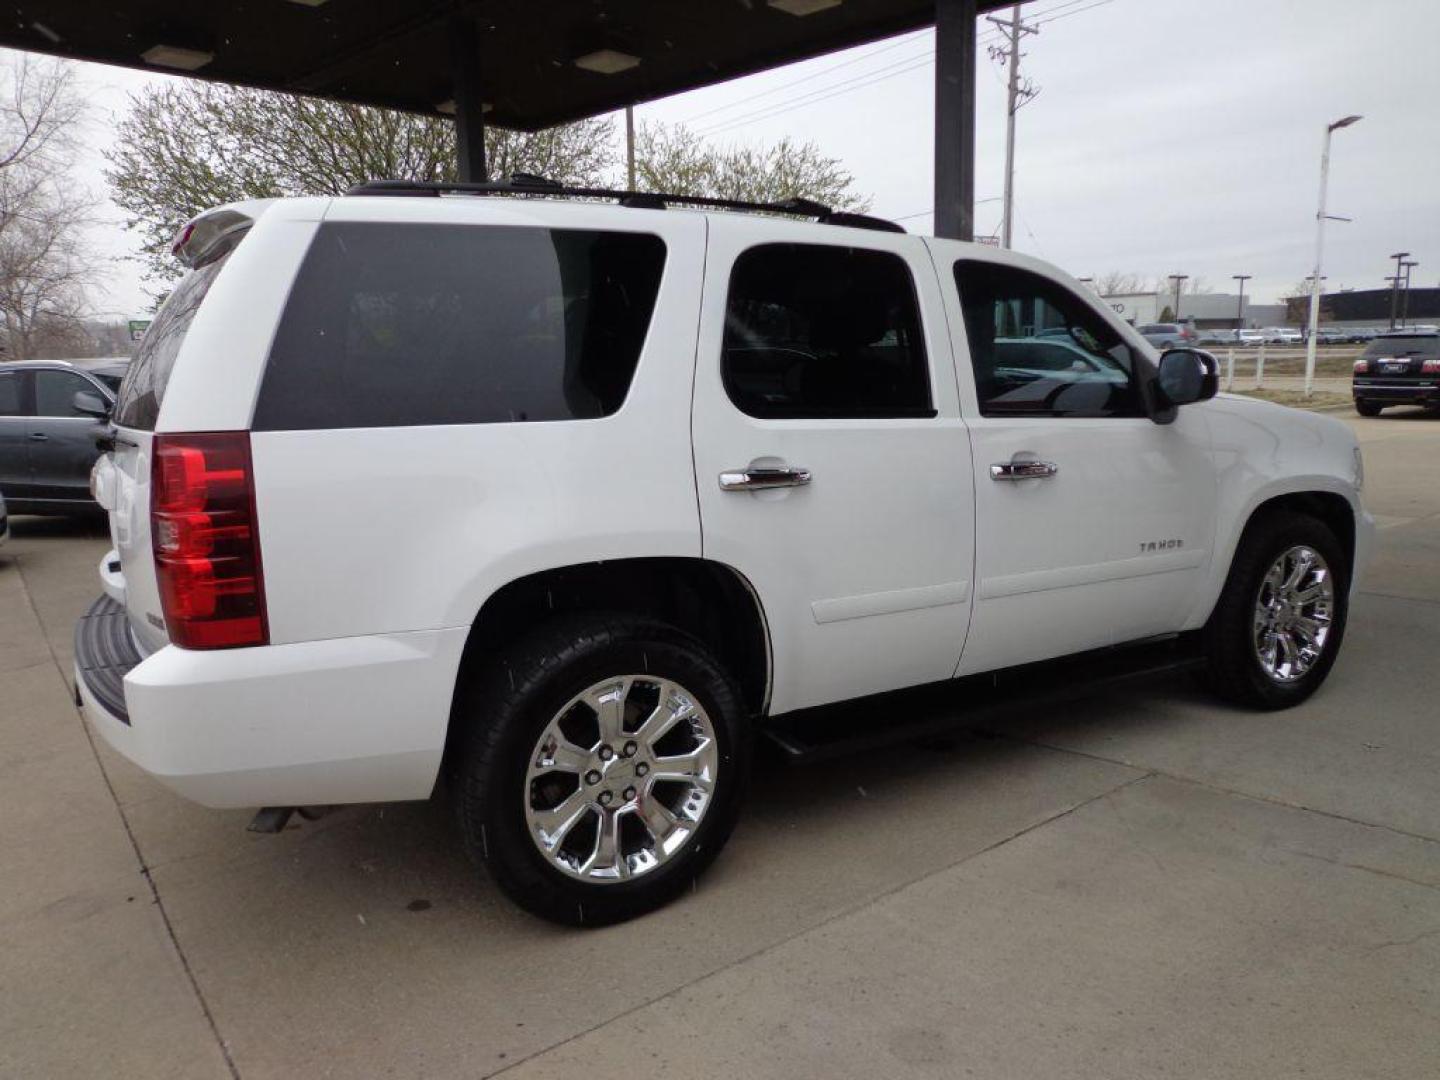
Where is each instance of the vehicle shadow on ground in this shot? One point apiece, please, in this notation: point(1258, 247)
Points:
point(408, 856)
point(1410, 412)
point(80, 526)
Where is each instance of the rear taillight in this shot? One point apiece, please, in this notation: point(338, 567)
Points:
point(1431, 366)
point(207, 546)
point(1362, 366)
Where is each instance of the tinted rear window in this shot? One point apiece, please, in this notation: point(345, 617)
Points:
point(394, 325)
point(143, 387)
point(1405, 345)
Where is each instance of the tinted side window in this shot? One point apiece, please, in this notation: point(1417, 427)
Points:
point(394, 325)
point(1037, 349)
point(10, 394)
point(55, 393)
point(143, 387)
point(819, 331)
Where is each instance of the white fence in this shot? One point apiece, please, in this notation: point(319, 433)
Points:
point(1283, 366)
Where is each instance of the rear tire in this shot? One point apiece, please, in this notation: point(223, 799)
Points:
point(1255, 612)
point(575, 811)
point(1367, 408)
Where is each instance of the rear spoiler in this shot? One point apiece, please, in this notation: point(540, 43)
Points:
point(207, 236)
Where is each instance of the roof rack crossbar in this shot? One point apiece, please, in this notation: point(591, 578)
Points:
point(527, 184)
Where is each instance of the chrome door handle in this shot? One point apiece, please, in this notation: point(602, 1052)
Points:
point(1024, 470)
point(39, 436)
point(762, 479)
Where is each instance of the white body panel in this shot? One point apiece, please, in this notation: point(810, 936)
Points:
point(864, 574)
point(901, 563)
point(423, 524)
point(346, 720)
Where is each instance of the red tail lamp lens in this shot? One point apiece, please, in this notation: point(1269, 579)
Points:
point(207, 547)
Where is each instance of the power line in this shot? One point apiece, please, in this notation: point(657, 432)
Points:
point(856, 82)
point(907, 40)
point(868, 78)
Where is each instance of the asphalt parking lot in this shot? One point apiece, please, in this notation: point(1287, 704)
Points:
point(1140, 883)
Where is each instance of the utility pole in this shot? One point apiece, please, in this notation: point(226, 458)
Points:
point(1320, 219)
point(1240, 304)
point(1018, 95)
point(1177, 279)
point(1405, 296)
point(630, 147)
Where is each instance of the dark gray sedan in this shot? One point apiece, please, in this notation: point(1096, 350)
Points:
point(51, 412)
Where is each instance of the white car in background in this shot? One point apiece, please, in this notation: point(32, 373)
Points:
point(1282, 335)
point(564, 501)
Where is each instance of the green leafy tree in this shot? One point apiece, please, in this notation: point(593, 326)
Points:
point(673, 159)
point(184, 147)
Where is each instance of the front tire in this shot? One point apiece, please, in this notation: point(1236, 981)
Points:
point(1279, 622)
point(604, 768)
point(1367, 408)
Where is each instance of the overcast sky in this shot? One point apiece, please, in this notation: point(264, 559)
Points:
point(1169, 136)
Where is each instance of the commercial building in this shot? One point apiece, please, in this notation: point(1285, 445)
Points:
point(1370, 307)
point(1206, 311)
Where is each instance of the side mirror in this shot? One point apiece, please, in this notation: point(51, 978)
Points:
point(1187, 376)
point(89, 403)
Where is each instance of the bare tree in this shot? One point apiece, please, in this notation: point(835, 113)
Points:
point(1116, 283)
point(185, 147)
point(1165, 287)
point(672, 159)
point(44, 274)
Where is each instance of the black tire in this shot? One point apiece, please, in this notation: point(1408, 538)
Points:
point(507, 706)
point(1233, 669)
point(1367, 408)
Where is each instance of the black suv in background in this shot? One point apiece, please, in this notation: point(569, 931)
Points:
point(1398, 368)
point(51, 412)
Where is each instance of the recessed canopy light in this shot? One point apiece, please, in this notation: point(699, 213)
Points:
point(308, 3)
point(803, 7)
point(172, 56)
point(607, 61)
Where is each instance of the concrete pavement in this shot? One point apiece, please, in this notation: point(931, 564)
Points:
point(1140, 883)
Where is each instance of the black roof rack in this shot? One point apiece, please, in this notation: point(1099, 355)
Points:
point(528, 184)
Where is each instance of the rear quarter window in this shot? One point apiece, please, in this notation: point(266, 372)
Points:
point(393, 325)
point(143, 387)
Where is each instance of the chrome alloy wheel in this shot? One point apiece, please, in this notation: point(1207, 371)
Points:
point(1293, 612)
point(620, 779)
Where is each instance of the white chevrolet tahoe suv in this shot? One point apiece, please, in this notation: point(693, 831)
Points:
point(561, 501)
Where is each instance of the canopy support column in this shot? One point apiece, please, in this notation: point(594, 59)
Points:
point(955, 119)
point(469, 109)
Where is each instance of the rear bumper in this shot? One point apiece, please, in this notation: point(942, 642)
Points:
point(1397, 392)
point(337, 721)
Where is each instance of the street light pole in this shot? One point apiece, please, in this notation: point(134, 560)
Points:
point(1177, 279)
point(1330, 129)
point(1405, 296)
point(1240, 304)
point(1395, 285)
